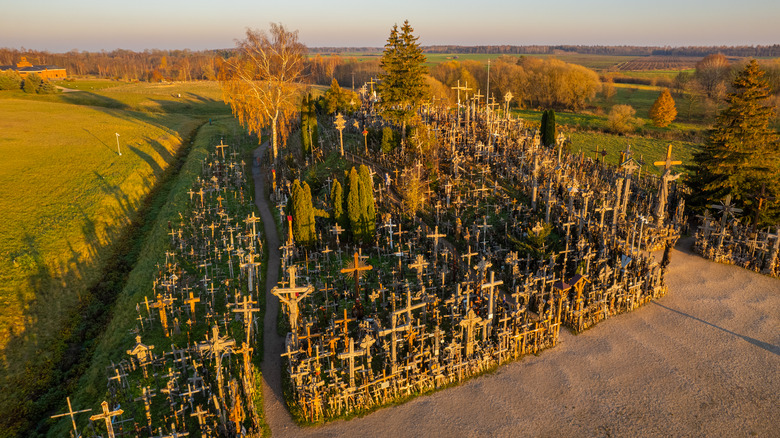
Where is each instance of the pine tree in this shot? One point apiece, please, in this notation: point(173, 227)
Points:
point(298, 212)
point(337, 202)
point(309, 225)
point(663, 112)
point(402, 87)
point(353, 204)
point(742, 152)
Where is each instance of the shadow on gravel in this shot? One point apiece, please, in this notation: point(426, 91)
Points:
point(766, 346)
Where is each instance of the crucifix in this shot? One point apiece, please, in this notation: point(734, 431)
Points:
point(142, 354)
point(107, 415)
point(291, 296)
point(419, 265)
point(162, 304)
point(355, 268)
point(468, 323)
point(71, 413)
point(663, 191)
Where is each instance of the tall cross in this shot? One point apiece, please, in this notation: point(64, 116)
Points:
point(419, 264)
point(72, 414)
point(216, 346)
point(491, 286)
point(435, 236)
point(350, 356)
point(468, 323)
point(355, 269)
point(663, 191)
point(246, 308)
point(291, 296)
point(107, 415)
point(192, 300)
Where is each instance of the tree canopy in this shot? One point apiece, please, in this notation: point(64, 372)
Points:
point(403, 86)
point(262, 83)
point(663, 112)
point(741, 155)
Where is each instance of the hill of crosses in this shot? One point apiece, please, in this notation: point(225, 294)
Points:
point(510, 241)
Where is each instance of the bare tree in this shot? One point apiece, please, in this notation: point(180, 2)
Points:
point(262, 83)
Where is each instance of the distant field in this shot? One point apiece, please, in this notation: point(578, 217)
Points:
point(66, 195)
point(645, 63)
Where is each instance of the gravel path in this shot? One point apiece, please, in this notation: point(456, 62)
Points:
point(702, 361)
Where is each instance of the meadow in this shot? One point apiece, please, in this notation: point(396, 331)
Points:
point(68, 199)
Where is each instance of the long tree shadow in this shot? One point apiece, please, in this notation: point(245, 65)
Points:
point(774, 349)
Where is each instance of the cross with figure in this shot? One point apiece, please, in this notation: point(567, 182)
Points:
point(663, 191)
point(291, 296)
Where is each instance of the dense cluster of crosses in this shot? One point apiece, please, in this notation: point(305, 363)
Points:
point(190, 371)
point(513, 240)
point(724, 239)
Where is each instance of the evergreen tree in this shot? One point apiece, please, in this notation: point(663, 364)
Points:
point(339, 99)
point(309, 225)
point(337, 201)
point(543, 128)
point(367, 203)
point(663, 111)
point(353, 204)
point(31, 83)
point(309, 127)
point(402, 86)
point(742, 152)
point(10, 80)
point(548, 135)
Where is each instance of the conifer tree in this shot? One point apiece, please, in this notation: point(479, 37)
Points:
point(742, 152)
point(353, 204)
point(304, 230)
point(367, 203)
point(309, 224)
point(543, 128)
point(403, 86)
point(663, 112)
point(337, 201)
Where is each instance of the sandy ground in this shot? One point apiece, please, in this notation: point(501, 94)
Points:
point(702, 361)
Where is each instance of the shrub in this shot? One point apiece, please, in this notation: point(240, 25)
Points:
point(621, 119)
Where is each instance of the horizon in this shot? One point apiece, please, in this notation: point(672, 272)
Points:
point(84, 25)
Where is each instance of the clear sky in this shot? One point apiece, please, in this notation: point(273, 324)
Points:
point(62, 25)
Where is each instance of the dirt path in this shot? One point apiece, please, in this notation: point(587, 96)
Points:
point(276, 412)
point(702, 361)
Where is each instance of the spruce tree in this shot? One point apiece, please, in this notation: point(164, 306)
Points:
point(741, 153)
point(402, 86)
point(663, 111)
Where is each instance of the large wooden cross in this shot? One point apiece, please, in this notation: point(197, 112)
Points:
point(355, 269)
point(72, 414)
point(491, 287)
point(663, 191)
point(216, 346)
point(142, 353)
point(246, 308)
point(419, 265)
point(291, 296)
point(350, 356)
point(162, 304)
point(107, 415)
point(468, 323)
point(435, 236)
point(192, 300)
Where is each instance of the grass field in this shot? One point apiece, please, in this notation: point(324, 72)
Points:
point(67, 195)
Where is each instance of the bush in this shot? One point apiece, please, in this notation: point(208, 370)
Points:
point(47, 87)
point(31, 83)
point(621, 119)
point(10, 80)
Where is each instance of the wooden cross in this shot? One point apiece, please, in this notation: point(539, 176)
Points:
point(146, 397)
point(344, 321)
point(468, 323)
point(355, 269)
point(215, 346)
point(107, 415)
point(201, 415)
point(246, 309)
point(420, 264)
point(663, 189)
point(435, 236)
point(71, 413)
point(162, 304)
point(291, 296)
point(192, 300)
point(340, 124)
point(493, 283)
point(142, 353)
point(468, 256)
point(761, 197)
point(221, 148)
point(350, 356)
point(337, 230)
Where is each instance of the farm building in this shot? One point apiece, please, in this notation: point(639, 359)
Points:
point(24, 68)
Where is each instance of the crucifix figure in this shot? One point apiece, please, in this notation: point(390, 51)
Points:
point(291, 296)
point(142, 353)
point(107, 415)
point(663, 191)
point(355, 269)
point(217, 346)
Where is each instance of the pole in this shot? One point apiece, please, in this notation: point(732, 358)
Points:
point(117, 144)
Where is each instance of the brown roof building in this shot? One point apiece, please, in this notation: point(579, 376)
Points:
point(24, 68)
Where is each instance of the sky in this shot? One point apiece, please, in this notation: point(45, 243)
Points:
point(92, 25)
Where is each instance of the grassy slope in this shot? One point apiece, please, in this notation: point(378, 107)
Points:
point(66, 196)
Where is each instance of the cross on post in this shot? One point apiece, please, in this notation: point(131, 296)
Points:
point(106, 416)
point(291, 296)
point(663, 191)
point(355, 268)
point(71, 413)
point(340, 124)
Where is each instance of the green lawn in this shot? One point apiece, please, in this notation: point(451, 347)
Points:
point(67, 195)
